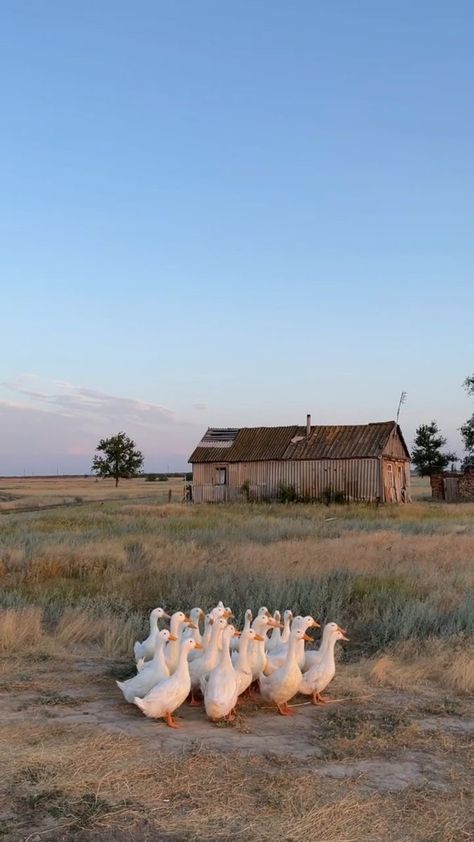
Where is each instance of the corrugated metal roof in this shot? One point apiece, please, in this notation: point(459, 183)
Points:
point(254, 444)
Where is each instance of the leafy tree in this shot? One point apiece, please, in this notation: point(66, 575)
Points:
point(426, 455)
point(467, 433)
point(467, 429)
point(469, 384)
point(120, 458)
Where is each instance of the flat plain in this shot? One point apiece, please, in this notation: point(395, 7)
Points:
point(388, 758)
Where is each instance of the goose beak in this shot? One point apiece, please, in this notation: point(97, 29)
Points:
point(191, 625)
point(237, 633)
point(316, 624)
point(344, 634)
point(202, 614)
point(172, 637)
point(166, 616)
point(227, 615)
point(259, 638)
point(308, 638)
point(198, 646)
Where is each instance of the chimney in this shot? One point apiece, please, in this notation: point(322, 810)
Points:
point(308, 426)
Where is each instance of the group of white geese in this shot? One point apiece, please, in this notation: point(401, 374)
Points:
point(220, 663)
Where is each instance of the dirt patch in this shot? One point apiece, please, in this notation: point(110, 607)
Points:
point(82, 765)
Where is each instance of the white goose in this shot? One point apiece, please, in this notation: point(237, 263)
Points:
point(170, 694)
point(146, 649)
point(283, 683)
point(178, 620)
point(317, 678)
point(219, 687)
point(209, 659)
point(208, 623)
point(287, 621)
point(242, 663)
point(257, 654)
point(277, 658)
point(274, 641)
point(152, 672)
point(196, 615)
point(235, 641)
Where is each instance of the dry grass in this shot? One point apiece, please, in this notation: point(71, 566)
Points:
point(77, 587)
point(21, 629)
point(449, 665)
point(98, 782)
point(18, 493)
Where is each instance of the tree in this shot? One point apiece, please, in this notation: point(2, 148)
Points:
point(469, 384)
point(120, 458)
point(467, 433)
point(427, 455)
point(467, 429)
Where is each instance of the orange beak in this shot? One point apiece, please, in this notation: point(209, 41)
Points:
point(227, 615)
point(316, 624)
point(274, 624)
point(172, 637)
point(166, 616)
point(259, 637)
point(198, 646)
point(236, 633)
point(344, 634)
point(308, 638)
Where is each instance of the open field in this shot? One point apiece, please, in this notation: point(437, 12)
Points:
point(392, 761)
point(41, 492)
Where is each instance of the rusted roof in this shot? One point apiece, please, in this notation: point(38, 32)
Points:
point(255, 444)
point(251, 444)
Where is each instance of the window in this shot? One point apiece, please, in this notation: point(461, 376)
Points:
point(221, 477)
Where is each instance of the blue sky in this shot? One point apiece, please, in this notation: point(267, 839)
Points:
point(221, 213)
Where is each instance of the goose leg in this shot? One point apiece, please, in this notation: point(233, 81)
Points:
point(170, 721)
point(318, 699)
point(284, 710)
point(194, 703)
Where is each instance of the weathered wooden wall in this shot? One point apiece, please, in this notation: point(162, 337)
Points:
point(394, 447)
point(356, 479)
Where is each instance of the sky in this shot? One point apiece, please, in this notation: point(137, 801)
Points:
point(231, 214)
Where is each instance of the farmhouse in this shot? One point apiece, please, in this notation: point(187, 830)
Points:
point(360, 462)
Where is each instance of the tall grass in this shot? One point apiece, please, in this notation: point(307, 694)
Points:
point(388, 573)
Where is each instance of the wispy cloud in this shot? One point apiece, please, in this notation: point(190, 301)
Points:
point(50, 425)
point(85, 404)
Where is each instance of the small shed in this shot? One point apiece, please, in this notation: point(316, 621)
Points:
point(367, 462)
point(453, 486)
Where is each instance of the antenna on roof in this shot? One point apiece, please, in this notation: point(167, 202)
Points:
point(402, 400)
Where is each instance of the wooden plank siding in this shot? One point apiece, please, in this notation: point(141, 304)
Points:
point(356, 479)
